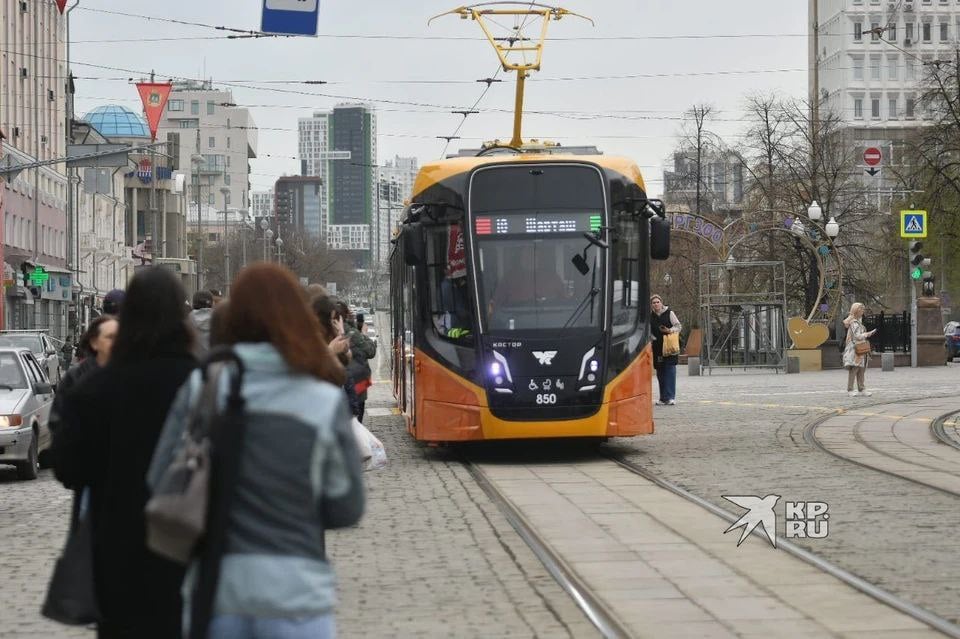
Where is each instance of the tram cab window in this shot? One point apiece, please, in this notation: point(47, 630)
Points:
point(627, 273)
point(531, 284)
point(450, 299)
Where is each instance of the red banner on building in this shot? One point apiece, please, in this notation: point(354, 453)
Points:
point(61, 4)
point(154, 96)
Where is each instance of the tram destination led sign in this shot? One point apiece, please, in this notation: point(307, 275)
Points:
point(537, 223)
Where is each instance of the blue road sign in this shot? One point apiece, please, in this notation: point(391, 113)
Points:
point(290, 17)
point(913, 224)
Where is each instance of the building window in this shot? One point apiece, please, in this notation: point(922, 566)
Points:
point(875, 108)
point(189, 124)
point(926, 31)
point(210, 199)
point(858, 108)
point(211, 107)
point(226, 179)
point(911, 65)
point(875, 31)
point(858, 68)
point(228, 143)
point(944, 31)
point(874, 68)
point(892, 106)
point(911, 104)
point(211, 142)
point(891, 32)
point(893, 65)
point(857, 32)
point(194, 107)
point(226, 197)
point(175, 105)
point(909, 32)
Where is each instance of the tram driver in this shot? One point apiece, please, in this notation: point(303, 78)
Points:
point(528, 280)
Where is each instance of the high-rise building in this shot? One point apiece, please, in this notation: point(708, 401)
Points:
point(33, 118)
point(210, 125)
point(261, 203)
point(870, 58)
point(340, 147)
point(298, 202)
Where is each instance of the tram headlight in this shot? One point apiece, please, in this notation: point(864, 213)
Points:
point(589, 369)
point(500, 369)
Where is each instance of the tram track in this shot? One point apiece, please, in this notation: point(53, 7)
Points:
point(606, 623)
point(922, 615)
point(937, 430)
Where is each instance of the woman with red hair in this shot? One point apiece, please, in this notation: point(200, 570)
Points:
point(299, 470)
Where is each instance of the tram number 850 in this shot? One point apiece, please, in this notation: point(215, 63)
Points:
point(546, 398)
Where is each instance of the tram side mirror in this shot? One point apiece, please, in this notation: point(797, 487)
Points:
point(659, 238)
point(580, 262)
point(414, 249)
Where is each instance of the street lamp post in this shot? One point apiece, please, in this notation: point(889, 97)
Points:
point(196, 160)
point(267, 238)
point(279, 242)
point(226, 243)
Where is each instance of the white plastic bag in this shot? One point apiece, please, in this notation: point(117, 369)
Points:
point(362, 435)
point(372, 452)
point(379, 457)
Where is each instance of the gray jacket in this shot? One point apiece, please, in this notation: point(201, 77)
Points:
point(300, 473)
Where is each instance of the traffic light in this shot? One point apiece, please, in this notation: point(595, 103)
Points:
point(916, 259)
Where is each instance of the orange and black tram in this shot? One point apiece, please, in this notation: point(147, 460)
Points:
point(520, 298)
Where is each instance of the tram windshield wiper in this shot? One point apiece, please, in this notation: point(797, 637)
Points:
point(578, 311)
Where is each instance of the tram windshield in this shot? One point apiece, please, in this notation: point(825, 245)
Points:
point(525, 275)
point(528, 223)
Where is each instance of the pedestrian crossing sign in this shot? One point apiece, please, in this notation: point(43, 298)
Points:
point(913, 224)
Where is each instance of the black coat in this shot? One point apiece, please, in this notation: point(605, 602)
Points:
point(656, 321)
point(111, 422)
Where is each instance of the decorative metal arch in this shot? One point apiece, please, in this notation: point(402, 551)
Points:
point(723, 239)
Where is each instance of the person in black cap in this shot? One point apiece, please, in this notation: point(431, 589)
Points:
point(112, 302)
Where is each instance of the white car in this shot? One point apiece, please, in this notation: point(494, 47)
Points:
point(42, 347)
point(26, 397)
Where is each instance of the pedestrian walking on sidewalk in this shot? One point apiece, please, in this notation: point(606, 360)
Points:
point(111, 423)
point(856, 363)
point(663, 323)
point(299, 470)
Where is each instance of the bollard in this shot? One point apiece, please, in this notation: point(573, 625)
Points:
point(693, 366)
point(886, 360)
point(793, 365)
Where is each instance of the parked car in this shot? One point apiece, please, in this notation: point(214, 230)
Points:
point(42, 347)
point(951, 339)
point(26, 397)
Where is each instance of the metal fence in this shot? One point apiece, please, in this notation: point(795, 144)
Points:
point(893, 331)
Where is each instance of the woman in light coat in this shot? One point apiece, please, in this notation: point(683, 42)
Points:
point(856, 365)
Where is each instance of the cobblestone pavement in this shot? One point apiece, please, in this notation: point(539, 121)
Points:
point(33, 526)
point(742, 434)
point(433, 557)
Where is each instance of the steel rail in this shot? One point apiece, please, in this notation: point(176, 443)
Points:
point(920, 614)
point(810, 436)
point(940, 433)
point(595, 610)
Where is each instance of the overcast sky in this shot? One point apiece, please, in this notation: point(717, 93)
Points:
point(762, 41)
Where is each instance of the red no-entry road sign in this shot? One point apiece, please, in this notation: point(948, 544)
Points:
point(872, 156)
